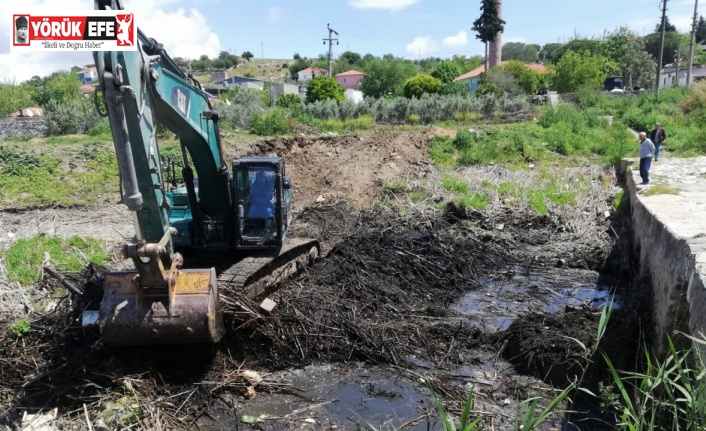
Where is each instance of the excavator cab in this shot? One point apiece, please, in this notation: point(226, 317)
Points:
point(262, 193)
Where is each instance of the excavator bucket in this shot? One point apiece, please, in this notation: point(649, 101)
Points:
point(187, 312)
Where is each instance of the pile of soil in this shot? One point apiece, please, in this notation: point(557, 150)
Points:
point(553, 347)
point(354, 166)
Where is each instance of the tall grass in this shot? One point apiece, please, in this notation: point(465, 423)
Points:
point(682, 112)
point(667, 395)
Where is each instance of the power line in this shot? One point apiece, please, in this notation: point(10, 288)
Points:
point(330, 45)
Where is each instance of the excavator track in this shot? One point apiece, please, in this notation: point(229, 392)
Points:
point(259, 276)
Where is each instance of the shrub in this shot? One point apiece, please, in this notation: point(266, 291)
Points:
point(289, 101)
point(421, 84)
point(272, 122)
point(464, 139)
point(70, 117)
point(100, 129)
point(322, 88)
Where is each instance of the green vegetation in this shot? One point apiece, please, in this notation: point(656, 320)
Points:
point(322, 88)
point(462, 193)
point(421, 84)
point(19, 328)
point(25, 257)
point(32, 179)
point(660, 189)
point(560, 131)
point(669, 394)
point(680, 110)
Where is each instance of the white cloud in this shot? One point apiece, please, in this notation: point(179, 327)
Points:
point(391, 5)
point(183, 34)
point(459, 39)
point(274, 14)
point(421, 46)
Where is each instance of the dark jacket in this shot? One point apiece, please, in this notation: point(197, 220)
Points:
point(658, 139)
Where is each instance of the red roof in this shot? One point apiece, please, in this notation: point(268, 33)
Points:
point(312, 70)
point(350, 73)
point(539, 68)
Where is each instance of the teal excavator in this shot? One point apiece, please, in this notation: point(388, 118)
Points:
point(239, 213)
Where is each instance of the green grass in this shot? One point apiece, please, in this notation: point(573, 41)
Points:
point(24, 258)
point(397, 186)
point(463, 195)
point(660, 189)
point(35, 179)
point(334, 125)
point(19, 328)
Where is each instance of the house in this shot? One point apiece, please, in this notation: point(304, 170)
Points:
point(671, 77)
point(88, 75)
point(243, 82)
point(473, 77)
point(280, 89)
point(306, 75)
point(350, 79)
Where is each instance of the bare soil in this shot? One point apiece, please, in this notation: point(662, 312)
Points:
point(365, 335)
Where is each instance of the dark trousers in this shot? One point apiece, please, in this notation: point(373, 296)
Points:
point(645, 163)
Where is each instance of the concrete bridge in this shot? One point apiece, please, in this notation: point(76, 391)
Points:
point(669, 227)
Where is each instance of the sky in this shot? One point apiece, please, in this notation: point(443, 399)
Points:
point(281, 28)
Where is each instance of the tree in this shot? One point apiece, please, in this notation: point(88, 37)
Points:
point(579, 70)
point(446, 72)
point(668, 26)
point(592, 46)
point(13, 98)
point(548, 52)
point(627, 50)
point(322, 88)
point(672, 42)
point(296, 56)
point(299, 64)
point(223, 54)
point(386, 77)
point(420, 84)
point(353, 58)
point(498, 81)
point(520, 51)
point(701, 30)
point(489, 24)
point(527, 79)
point(247, 55)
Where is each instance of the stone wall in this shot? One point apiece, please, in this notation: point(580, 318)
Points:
point(22, 126)
point(671, 277)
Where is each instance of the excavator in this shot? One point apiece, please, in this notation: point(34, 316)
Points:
point(238, 214)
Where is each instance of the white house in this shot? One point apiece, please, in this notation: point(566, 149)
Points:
point(306, 75)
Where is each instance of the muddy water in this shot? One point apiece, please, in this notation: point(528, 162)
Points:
point(353, 396)
point(518, 291)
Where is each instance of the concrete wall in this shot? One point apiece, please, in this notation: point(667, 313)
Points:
point(668, 243)
point(22, 126)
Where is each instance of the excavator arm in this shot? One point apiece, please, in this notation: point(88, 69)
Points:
point(158, 302)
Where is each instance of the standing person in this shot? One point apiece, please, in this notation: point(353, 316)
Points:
point(658, 136)
point(647, 150)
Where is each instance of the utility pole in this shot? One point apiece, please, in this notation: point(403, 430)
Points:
point(661, 46)
point(691, 45)
point(330, 45)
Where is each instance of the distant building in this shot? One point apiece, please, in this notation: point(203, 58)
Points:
point(88, 75)
point(671, 77)
point(243, 82)
point(280, 89)
point(350, 79)
point(306, 75)
point(220, 75)
point(473, 77)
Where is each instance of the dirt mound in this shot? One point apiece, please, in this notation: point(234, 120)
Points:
point(552, 347)
point(354, 166)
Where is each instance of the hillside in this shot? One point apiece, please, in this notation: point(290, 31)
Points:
point(265, 69)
